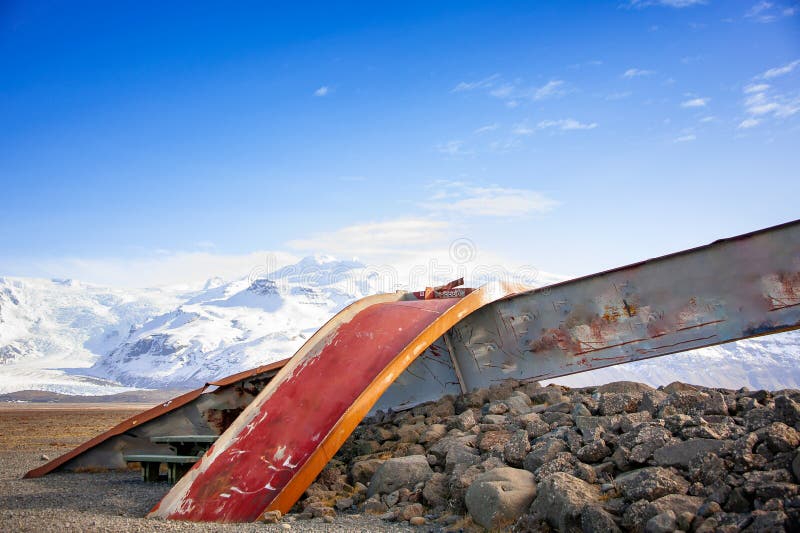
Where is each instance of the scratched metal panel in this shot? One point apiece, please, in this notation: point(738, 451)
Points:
point(428, 378)
point(725, 291)
point(274, 440)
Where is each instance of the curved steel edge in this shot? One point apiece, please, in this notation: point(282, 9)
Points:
point(316, 341)
point(328, 447)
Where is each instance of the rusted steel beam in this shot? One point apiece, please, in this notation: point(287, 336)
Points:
point(728, 290)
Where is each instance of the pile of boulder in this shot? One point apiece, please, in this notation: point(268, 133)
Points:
point(618, 457)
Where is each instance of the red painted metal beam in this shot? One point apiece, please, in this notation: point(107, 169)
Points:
point(276, 448)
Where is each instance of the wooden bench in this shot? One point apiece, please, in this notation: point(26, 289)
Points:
point(177, 465)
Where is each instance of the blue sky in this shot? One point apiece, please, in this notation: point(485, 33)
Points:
point(145, 143)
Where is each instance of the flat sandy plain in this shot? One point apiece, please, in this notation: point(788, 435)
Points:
point(105, 501)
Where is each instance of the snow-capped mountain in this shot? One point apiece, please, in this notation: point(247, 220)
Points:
point(75, 338)
point(47, 325)
point(230, 327)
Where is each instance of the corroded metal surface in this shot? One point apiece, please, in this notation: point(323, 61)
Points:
point(728, 290)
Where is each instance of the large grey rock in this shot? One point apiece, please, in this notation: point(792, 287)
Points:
point(682, 453)
point(614, 403)
point(651, 483)
point(398, 473)
point(677, 503)
point(465, 420)
point(542, 452)
point(625, 387)
point(661, 523)
point(444, 445)
point(362, 471)
point(644, 440)
point(497, 498)
point(594, 519)
point(779, 437)
point(436, 491)
point(561, 501)
point(517, 448)
point(594, 451)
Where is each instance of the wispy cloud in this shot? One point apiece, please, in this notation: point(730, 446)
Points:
point(665, 3)
point(479, 84)
point(490, 201)
point(549, 89)
point(322, 91)
point(484, 129)
point(685, 138)
point(762, 102)
point(695, 102)
point(566, 124)
point(756, 88)
point(514, 92)
point(766, 12)
point(376, 238)
point(637, 73)
point(503, 91)
point(451, 148)
point(619, 95)
point(781, 71)
point(522, 129)
point(749, 123)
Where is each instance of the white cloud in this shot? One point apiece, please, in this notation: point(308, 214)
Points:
point(666, 3)
point(370, 239)
point(322, 91)
point(451, 148)
point(472, 85)
point(468, 200)
point(637, 73)
point(780, 71)
point(522, 129)
point(756, 88)
point(695, 102)
point(748, 123)
point(504, 91)
point(762, 102)
point(566, 124)
point(777, 105)
point(549, 89)
point(484, 129)
point(619, 96)
point(685, 138)
point(707, 119)
point(769, 12)
point(505, 146)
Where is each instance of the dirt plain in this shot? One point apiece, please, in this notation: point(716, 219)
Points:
point(31, 433)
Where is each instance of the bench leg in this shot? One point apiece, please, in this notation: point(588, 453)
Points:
point(177, 471)
point(150, 472)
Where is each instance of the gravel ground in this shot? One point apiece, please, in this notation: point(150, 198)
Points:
point(115, 501)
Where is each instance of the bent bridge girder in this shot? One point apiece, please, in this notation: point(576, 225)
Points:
point(729, 290)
